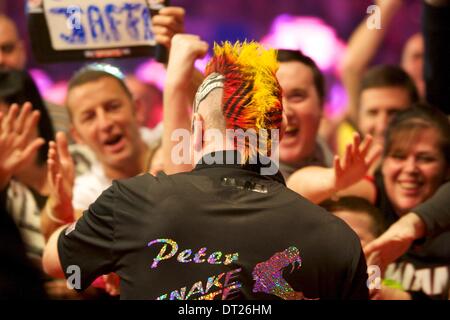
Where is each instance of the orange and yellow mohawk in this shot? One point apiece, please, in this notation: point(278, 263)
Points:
point(251, 92)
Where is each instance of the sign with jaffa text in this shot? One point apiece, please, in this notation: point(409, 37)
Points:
point(67, 30)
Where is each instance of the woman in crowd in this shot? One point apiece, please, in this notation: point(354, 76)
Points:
point(416, 162)
point(26, 186)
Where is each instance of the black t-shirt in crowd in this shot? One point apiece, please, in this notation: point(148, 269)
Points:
point(218, 232)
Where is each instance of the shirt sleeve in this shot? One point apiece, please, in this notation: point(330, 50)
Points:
point(349, 259)
point(87, 246)
point(357, 288)
point(435, 212)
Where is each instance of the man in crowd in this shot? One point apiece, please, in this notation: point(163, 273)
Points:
point(13, 56)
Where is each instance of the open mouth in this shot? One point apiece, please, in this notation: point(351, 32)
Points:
point(291, 131)
point(113, 140)
point(410, 186)
point(114, 143)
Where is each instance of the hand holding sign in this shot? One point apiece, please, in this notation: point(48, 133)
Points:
point(63, 30)
point(167, 23)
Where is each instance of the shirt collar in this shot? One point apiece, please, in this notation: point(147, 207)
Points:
point(230, 159)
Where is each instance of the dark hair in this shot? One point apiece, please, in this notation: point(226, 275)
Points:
point(94, 72)
point(286, 55)
point(357, 205)
point(419, 116)
point(389, 76)
point(18, 87)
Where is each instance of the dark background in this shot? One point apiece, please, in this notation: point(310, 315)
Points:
point(216, 20)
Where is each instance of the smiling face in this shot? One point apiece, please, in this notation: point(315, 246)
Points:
point(414, 169)
point(103, 118)
point(303, 110)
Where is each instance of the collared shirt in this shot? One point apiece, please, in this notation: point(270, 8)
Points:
point(221, 231)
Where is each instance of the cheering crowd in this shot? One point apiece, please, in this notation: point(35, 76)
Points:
point(89, 193)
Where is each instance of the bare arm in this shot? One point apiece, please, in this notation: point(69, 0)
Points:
point(181, 83)
point(50, 259)
point(17, 144)
point(362, 47)
point(395, 241)
point(179, 91)
point(318, 184)
point(60, 175)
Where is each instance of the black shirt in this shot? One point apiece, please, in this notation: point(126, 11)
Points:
point(218, 232)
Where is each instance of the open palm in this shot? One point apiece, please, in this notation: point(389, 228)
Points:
point(18, 143)
point(356, 162)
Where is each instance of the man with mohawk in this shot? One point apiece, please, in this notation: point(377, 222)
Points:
point(223, 230)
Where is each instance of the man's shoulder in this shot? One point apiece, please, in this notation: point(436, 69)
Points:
point(320, 223)
point(147, 183)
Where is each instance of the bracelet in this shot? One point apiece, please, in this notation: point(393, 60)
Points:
point(49, 213)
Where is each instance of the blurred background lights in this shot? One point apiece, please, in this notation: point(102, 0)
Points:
point(311, 35)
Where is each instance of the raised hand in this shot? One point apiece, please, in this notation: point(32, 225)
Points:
point(181, 84)
point(391, 4)
point(61, 177)
point(18, 141)
point(356, 162)
point(181, 72)
point(167, 23)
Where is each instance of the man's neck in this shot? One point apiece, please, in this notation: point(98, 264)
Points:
point(208, 149)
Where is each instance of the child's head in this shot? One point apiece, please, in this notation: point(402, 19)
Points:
point(359, 214)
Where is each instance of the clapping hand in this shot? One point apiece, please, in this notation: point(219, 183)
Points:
point(61, 177)
point(18, 141)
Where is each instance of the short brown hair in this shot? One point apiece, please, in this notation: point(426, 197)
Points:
point(389, 76)
point(357, 205)
point(285, 55)
point(419, 116)
point(94, 72)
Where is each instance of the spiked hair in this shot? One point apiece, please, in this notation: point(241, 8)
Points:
point(251, 92)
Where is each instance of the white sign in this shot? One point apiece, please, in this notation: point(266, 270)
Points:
point(98, 24)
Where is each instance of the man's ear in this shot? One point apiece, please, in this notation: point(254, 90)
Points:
point(75, 135)
point(139, 111)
